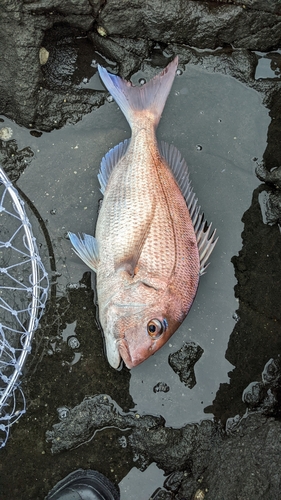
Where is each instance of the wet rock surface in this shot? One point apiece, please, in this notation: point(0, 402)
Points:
point(183, 362)
point(49, 49)
point(241, 460)
point(44, 44)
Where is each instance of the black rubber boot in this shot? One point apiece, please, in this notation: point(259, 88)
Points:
point(84, 485)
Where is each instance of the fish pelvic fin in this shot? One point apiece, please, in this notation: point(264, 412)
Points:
point(205, 236)
point(151, 96)
point(86, 247)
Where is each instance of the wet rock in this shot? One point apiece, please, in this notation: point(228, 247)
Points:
point(173, 482)
point(245, 464)
point(193, 23)
point(264, 5)
point(172, 450)
point(201, 459)
point(272, 176)
point(38, 67)
point(126, 52)
point(6, 133)
point(13, 160)
point(161, 494)
point(240, 63)
point(254, 394)
point(23, 26)
point(95, 413)
point(271, 374)
point(270, 205)
point(161, 387)
point(183, 361)
point(264, 396)
point(176, 449)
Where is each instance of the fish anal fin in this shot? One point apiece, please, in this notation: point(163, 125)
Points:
point(109, 161)
point(86, 247)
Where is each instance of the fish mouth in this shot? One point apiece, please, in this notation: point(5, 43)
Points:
point(125, 354)
point(130, 360)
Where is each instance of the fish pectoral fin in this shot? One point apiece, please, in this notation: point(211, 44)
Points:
point(86, 247)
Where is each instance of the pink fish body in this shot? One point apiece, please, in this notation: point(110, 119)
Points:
point(151, 242)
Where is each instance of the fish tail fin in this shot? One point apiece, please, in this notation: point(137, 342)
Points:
point(151, 96)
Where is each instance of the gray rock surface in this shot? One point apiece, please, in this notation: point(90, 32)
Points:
point(124, 33)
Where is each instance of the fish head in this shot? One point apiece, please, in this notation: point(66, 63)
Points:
point(145, 337)
point(135, 332)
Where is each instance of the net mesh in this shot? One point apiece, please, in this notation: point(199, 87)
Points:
point(23, 293)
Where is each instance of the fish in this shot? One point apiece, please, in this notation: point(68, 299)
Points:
point(151, 241)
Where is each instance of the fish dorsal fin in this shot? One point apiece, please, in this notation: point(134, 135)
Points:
point(205, 237)
point(109, 161)
point(86, 247)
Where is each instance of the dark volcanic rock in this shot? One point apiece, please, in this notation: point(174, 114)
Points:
point(183, 362)
point(13, 160)
point(126, 52)
point(194, 23)
point(239, 463)
point(246, 465)
point(45, 96)
point(22, 30)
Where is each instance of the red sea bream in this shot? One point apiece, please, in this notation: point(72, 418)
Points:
point(151, 242)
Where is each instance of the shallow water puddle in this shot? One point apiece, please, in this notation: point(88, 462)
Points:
point(219, 125)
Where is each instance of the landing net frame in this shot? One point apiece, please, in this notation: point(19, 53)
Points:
point(34, 291)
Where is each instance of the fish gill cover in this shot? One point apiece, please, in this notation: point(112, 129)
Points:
point(23, 292)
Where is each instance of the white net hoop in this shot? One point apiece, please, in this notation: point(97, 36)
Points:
point(23, 293)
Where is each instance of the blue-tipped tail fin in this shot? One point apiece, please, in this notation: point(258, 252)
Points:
point(151, 96)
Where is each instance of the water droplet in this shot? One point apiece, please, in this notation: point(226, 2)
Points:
point(219, 120)
point(179, 71)
point(198, 147)
point(142, 81)
point(201, 112)
point(53, 211)
point(73, 342)
point(63, 412)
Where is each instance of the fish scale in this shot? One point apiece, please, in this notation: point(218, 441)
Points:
point(151, 242)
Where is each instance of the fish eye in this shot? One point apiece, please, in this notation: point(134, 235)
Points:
point(155, 328)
